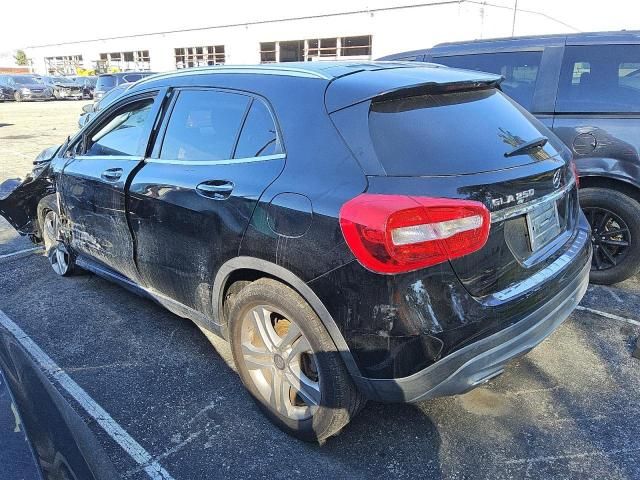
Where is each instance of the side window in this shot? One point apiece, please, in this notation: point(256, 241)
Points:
point(519, 69)
point(259, 135)
point(203, 126)
point(600, 78)
point(123, 133)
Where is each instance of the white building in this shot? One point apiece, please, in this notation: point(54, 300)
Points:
point(364, 34)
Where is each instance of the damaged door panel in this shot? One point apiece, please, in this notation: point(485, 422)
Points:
point(94, 182)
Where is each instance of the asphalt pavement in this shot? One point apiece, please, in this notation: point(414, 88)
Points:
point(568, 409)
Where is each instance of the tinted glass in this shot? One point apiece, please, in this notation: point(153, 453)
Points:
point(600, 78)
point(105, 82)
point(134, 77)
point(519, 69)
point(204, 126)
point(258, 135)
point(452, 134)
point(122, 134)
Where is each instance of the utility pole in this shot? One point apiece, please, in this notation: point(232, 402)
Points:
point(513, 24)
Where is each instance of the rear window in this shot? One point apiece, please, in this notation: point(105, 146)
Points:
point(451, 134)
point(105, 82)
point(519, 69)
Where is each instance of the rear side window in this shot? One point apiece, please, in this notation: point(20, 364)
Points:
point(259, 136)
point(600, 78)
point(123, 133)
point(204, 126)
point(451, 134)
point(519, 69)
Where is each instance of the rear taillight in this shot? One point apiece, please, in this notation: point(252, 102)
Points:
point(397, 233)
point(574, 169)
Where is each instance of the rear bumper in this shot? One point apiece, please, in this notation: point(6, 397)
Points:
point(478, 362)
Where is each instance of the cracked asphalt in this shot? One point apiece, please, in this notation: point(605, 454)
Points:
point(568, 409)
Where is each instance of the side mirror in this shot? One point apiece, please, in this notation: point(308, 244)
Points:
point(88, 108)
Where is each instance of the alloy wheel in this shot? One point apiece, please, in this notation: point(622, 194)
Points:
point(280, 362)
point(58, 254)
point(610, 237)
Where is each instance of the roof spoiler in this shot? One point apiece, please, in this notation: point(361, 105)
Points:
point(437, 88)
point(389, 83)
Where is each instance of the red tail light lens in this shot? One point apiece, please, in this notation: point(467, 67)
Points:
point(396, 233)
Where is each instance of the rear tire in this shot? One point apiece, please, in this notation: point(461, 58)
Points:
point(17, 96)
point(615, 225)
point(59, 255)
point(280, 345)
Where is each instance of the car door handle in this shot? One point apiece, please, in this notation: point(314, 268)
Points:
point(112, 175)
point(216, 189)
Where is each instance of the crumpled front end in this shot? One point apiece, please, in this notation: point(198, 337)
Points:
point(19, 198)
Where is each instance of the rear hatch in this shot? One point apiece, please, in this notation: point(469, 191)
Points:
point(473, 143)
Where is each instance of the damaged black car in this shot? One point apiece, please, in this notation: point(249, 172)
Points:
point(64, 88)
point(384, 231)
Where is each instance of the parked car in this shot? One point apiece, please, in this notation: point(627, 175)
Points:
point(88, 85)
point(355, 230)
point(108, 81)
point(64, 87)
point(586, 88)
point(43, 436)
point(25, 87)
point(91, 109)
point(6, 92)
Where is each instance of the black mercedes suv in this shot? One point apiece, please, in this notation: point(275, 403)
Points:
point(586, 88)
point(384, 231)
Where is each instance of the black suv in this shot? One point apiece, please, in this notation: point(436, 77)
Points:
point(586, 88)
point(108, 81)
point(357, 231)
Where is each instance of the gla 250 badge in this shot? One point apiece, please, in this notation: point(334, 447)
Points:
point(517, 198)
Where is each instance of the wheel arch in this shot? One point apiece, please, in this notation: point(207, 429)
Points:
point(622, 185)
point(251, 268)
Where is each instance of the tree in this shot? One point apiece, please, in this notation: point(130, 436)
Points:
point(21, 58)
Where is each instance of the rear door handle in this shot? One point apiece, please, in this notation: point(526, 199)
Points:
point(216, 189)
point(112, 175)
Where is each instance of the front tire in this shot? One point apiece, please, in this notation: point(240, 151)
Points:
point(17, 96)
point(615, 231)
point(288, 362)
point(57, 252)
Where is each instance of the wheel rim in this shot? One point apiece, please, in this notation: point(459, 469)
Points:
point(56, 251)
point(610, 237)
point(280, 362)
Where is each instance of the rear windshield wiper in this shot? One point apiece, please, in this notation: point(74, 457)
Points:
point(528, 146)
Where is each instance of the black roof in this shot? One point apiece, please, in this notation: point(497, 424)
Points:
point(535, 41)
point(350, 82)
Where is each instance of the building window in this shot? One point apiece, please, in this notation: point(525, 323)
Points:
point(356, 46)
point(63, 65)
point(316, 49)
point(268, 52)
point(124, 61)
point(199, 56)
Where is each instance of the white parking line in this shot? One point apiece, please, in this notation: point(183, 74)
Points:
point(20, 252)
point(611, 316)
point(113, 429)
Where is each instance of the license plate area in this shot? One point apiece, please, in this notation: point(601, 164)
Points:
point(543, 225)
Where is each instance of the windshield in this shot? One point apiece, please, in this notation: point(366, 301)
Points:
point(62, 80)
point(452, 133)
point(25, 80)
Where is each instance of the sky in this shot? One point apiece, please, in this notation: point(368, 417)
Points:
point(79, 20)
